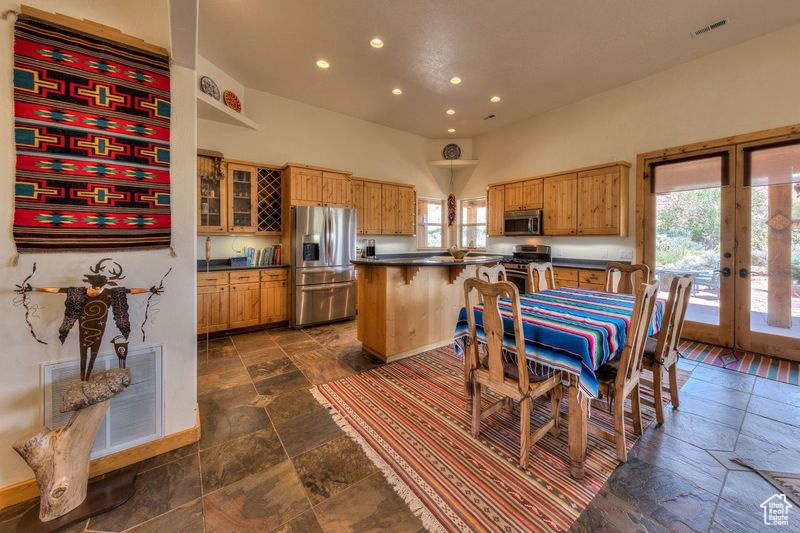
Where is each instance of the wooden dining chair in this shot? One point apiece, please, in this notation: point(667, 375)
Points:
point(661, 351)
point(619, 378)
point(623, 277)
point(510, 380)
point(492, 274)
point(541, 275)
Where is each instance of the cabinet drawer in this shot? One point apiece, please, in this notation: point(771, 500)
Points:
point(210, 279)
point(274, 274)
point(566, 274)
point(244, 276)
point(597, 277)
point(593, 286)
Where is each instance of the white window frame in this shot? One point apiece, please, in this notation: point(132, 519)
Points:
point(422, 228)
point(462, 224)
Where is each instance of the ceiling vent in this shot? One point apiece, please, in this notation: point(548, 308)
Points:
point(713, 26)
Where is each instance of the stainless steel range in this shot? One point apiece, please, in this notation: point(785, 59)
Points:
point(517, 265)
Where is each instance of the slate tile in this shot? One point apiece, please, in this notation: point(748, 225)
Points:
point(775, 390)
point(300, 348)
point(288, 336)
point(188, 518)
point(231, 424)
point(371, 505)
point(234, 460)
point(697, 430)
point(167, 457)
point(717, 412)
point(669, 498)
point(273, 367)
point(218, 348)
point(259, 502)
point(291, 405)
point(716, 393)
point(305, 523)
point(726, 378)
point(262, 355)
point(320, 367)
point(253, 342)
point(730, 518)
point(608, 514)
point(157, 491)
point(306, 432)
point(232, 376)
point(219, 401)
point(681, 458)
point(332, 467)
point(273, 387)
point(773, 431)
point(779, 411)
point(766, 455)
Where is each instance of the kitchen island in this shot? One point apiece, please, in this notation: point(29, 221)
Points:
point(407, 305)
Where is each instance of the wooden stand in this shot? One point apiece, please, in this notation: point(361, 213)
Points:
point(101, 496)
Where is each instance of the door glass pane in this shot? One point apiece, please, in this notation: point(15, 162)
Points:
point(775, 240)
point(688, 222)
point(242, 197)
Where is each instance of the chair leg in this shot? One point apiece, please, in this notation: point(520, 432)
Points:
point(508, 405)
point(619, 427)
point(524, 431)
point(476, 409)
point(673, 385)
point(555, 409)
point(636, 410)
point(658, 392)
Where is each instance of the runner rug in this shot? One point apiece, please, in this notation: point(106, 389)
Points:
point(746, 362)
point(91, 126)
point(410, 417)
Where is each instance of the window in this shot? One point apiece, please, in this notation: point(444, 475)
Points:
point(473, 223)
point(430, 217)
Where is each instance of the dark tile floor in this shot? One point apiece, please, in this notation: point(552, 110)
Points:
point(272, 459)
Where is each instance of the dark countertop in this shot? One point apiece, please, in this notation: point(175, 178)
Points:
point(222, 265)
point(396, 260)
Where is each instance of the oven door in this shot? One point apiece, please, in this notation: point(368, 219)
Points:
point(518, 278)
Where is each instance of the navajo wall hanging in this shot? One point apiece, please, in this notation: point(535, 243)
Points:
point(92, 119)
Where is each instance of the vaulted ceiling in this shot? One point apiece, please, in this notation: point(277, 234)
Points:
point(535, 54)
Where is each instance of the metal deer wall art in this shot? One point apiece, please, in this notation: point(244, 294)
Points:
point(90, 305)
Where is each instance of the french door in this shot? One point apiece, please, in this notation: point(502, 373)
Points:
point(727, 213)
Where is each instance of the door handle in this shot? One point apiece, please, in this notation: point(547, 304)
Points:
point(743, 272)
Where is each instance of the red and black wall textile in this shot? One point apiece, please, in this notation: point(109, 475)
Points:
point(91, 126)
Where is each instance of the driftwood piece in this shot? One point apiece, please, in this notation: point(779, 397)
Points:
point(59, 458)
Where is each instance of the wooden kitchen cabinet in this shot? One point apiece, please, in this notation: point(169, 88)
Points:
point(245, 308)
point(367, 201)
point(560, 205)
point(337, 190)
point(603, 201)
point(407, 211)
point(212, 309)
point(274, 301)
point(390, 217)
point(212, 197)
point(566, 277)
point(495, 202)
point(523, 195)
point(305, 185)
point(242, 198)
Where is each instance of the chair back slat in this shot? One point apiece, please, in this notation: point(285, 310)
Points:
point(630, 365)
point(492, 274)
point(623, 277)
point(541, 277)
point(490, 294)
point(669, 336)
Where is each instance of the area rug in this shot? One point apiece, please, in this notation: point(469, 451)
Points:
point(91, 126)
point(410, 417)
point(746, 362)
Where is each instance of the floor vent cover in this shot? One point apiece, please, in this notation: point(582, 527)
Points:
point(135, 416)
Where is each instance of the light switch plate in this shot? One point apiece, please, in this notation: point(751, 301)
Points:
point(626, 254)
point(604, 253)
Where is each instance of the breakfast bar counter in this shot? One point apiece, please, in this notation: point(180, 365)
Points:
point(407, 305)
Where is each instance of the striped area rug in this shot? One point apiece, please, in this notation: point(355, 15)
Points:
point(411, 420)
point(755, 364)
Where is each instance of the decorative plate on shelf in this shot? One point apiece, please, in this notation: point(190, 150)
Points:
point(451, 151)
point(232, 101)
point(209, 86)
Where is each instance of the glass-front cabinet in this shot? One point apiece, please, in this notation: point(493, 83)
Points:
point(241, 198)
point(212, 205)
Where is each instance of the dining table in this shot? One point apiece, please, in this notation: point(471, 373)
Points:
point(572, 330)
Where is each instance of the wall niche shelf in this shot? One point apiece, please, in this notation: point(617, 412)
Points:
point(455, 163)
point(211, 109)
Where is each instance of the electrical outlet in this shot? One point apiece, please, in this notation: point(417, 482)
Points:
point(604, 253)
point(557, 252)
point(626, 255)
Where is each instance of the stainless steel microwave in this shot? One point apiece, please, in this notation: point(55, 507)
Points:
point(523, 222)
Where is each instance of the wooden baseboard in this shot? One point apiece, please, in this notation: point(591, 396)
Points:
point(408, 353)
point(26, 490)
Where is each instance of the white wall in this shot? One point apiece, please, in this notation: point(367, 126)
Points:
point(745, 88)
point(290, 131)
point(174, 325)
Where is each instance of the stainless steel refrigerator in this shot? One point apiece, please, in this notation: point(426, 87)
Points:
point(323, 244)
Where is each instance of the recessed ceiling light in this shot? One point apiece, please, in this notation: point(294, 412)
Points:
point(455, 80)
point(397, 91)
point(451, 111)
point(495, 99)
point(321, 63)
point(376, 43)
point(451, 130)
